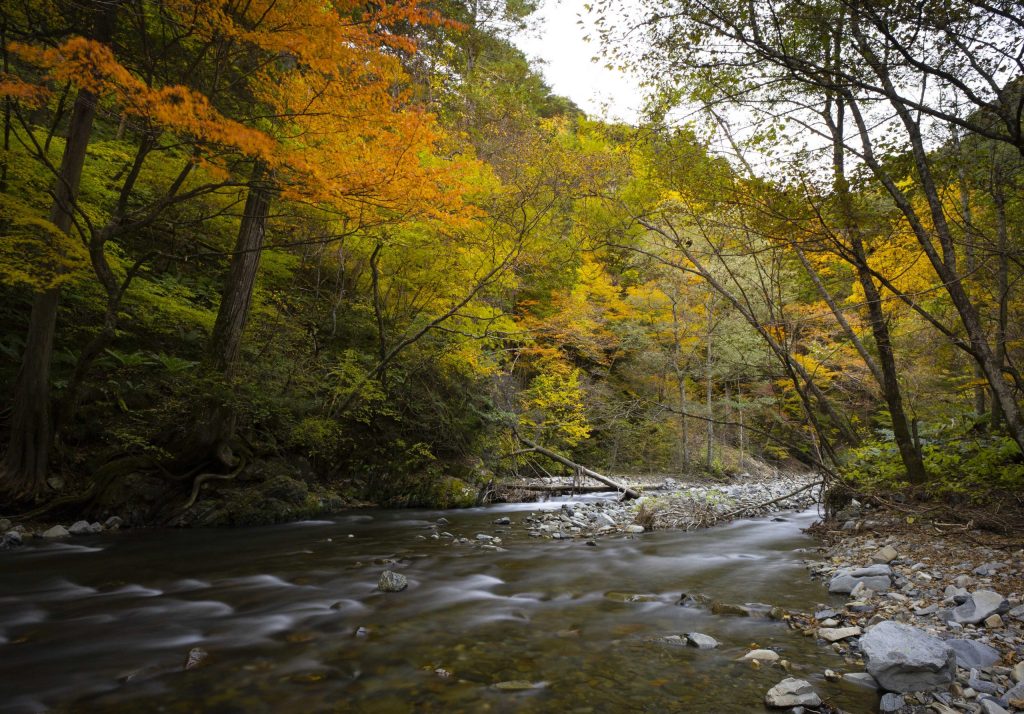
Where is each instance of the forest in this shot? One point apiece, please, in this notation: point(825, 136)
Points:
point(266, 259)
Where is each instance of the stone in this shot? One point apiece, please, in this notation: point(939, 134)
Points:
point(195, 659)
point(980, 605)
point(484, 537)
point(11, 539)
point(56, 532)
point(890, 703)
point(515, 685)
point(876, 577)
point(442, 521)
point(95, 528)
point(993, 622)
point(862, 679)
point(886, 554)
point(5, 524)
point(990, 707)
point(701, 641)
point(747, 609)
point(113, 523)
point(834, 634)
point(392, 582)
point(603, 520)
point(791, 692)
point(973, 654)
point(503, 521)
point(1014, 697)
point(904, 658)
point(635, 528)
point(761, 655)
point(79, 528)
point(981, 686)
point(1017, 673)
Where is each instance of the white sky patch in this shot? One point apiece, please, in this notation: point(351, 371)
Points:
point(557, 41)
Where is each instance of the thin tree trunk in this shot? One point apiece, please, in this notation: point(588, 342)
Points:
point(971, 262)
point(709, 455)
point(25, 463)
point(1002, 290)
point(236, 300)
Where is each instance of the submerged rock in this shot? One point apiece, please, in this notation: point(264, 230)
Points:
point(196, 657)
point(791, 692)
point(392, 582)
point(906, 659)
point(701, 641)
point(761, 655)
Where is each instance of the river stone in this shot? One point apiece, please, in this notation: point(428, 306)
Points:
point(747, 609)
point(886, 554)
point(701, 641)
point(791, 692)
point(861, 678)
point(980, 605)
point(973, 654)
point(1014, 697)
point(635, 529)
point(834, 634)
point(392, 582)
point(515, 685)
point(904, 658)
point(761, 655)
point(990, 707)
point(80, 528)
point(876, 577)
point(890, 703)
point(1018, 672)
point(503, 521)
point(196, 657)
point(56, 532)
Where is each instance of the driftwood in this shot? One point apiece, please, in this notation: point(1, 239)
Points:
point(554, 456)
point(774, 500)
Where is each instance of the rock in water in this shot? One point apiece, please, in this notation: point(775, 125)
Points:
point(701, 641)
point(906, 659)
point(834, 634)
point(979, 606)
point(56, 532)
point(973, 654)
point(392, 582)
point(762, 655)
point(80, 528)
point(890, 703)
point(196, 657)
point(877, 577)
point(792, 692)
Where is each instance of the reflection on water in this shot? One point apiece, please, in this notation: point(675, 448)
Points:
point(293, 622)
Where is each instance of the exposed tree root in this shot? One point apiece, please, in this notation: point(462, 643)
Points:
point(204, 477)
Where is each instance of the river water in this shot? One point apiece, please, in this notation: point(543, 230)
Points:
point(292, 620)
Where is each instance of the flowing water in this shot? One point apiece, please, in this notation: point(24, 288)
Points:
point(292, 620)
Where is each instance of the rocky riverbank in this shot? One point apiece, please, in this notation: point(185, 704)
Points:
point(934, 612)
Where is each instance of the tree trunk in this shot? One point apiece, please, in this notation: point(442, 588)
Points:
point(709, 453)
point(226, 340)
point(24, 466)
point(1002, 289)
point(554, 456)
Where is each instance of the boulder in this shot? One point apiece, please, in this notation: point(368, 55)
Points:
point(979, 606)
point(904, 658)
point(973, 654)
point(861, 678)
point(701, 641)
point(791, 692)
point(392, 582)
point(80, 528)
point(990, 707)
point(56, 532)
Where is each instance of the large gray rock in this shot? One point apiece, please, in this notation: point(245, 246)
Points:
point(980, 605)
point(56, 532)
point(392, 582)
point(973, 654)
point(906, 659)
point(792, 692)
point(1014, 697)
point(11, 539)
point(877, 577)
point(80, 528)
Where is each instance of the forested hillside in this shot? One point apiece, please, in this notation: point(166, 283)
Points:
point(263, 259)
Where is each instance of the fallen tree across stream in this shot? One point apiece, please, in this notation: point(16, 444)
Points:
point(626, 492)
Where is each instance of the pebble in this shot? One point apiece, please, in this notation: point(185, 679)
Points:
point(392, 582)
point(792, 692)
point(701, 641)
point(761, 655)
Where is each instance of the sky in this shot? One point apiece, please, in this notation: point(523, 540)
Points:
point(558, 42)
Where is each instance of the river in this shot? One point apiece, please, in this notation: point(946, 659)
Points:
point(292, 620)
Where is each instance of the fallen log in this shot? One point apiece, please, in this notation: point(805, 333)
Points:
point(558, 489)
point(555, 456)
point(771, 502)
